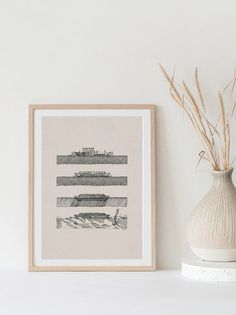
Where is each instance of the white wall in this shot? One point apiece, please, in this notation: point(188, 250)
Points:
point(107, 51)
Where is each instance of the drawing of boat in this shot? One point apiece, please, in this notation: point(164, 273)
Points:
point(93, 220)
point(91, 152)
point(92, 174)
point(91, 200)
point(92, 216)
point(92, 197)
point(92, 156)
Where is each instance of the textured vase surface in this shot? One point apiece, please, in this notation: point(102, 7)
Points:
point(212, 224)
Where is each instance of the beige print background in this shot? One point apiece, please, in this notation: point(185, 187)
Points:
point(61, 136)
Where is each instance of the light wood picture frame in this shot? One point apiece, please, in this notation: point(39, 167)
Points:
point(92, 188)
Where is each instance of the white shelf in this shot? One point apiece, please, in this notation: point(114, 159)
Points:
point(209, 271)
point(121, 293)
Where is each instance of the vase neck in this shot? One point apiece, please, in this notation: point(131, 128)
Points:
point(222, 178)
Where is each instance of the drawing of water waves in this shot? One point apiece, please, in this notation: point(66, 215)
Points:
point(93, 221)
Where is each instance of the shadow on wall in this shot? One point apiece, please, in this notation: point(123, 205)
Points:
point(169, 232)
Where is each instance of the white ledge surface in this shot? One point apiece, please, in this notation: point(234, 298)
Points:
point(145, 293)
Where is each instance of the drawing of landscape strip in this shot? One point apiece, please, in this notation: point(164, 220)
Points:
point(92, 156)
point(92, 200)
point(93, 220)
point(92, 178)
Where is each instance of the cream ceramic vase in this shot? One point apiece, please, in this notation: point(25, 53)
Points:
point(212, 224)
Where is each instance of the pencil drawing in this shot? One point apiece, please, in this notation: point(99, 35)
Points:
point(92, 178)
point(93, 220)
point(92, 200)
point(92, 156)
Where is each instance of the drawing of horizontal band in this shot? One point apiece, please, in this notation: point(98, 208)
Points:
point(88, 202)
point(92, 181)
point(115, 159)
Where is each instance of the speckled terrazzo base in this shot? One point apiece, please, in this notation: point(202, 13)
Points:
point(209, 271)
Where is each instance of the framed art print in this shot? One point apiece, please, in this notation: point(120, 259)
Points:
point(92, 188)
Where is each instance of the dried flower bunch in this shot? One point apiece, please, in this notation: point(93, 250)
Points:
point(215, 137)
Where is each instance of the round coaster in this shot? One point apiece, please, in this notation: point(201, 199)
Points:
point(209, 271)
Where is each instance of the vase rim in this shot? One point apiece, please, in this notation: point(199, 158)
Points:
point(229, 170)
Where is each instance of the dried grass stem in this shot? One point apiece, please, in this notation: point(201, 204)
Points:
point(215, 137)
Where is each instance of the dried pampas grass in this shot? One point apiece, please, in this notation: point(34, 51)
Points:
point(215, 137)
